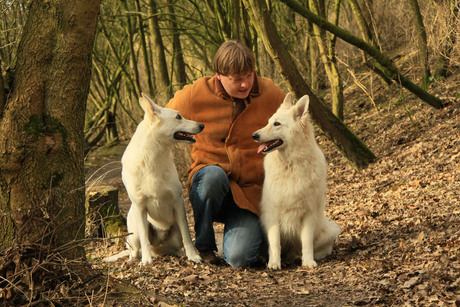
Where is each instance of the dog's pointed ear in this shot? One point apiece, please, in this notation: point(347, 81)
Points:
point(288, 101)
point(149, 107)
point(301, 107)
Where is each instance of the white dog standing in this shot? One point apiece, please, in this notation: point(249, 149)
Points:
point(293, 197)
point(151, 180)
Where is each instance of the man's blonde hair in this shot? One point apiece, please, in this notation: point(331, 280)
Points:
point(233, 57)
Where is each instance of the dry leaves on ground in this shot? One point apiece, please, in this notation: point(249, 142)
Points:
point(400, 221)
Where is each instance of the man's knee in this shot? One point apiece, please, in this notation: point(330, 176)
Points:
point(240, 253)
point(213, 182)
point(213, 174)
point(238, 258)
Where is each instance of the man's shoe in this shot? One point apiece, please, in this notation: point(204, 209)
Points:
point(209, 256)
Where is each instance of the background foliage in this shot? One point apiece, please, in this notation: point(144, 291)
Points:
point(157, 46)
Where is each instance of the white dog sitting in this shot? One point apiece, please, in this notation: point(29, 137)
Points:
point(157, 215)
point(293, 197)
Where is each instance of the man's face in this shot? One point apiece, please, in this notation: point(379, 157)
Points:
point(237, 86)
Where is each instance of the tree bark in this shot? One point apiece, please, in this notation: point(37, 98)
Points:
point(103, 217)
point(161, 68)
point(132, 53)
point(179, 74)
point(42, 180)
point(2, 91)
point(366, 34)
point(374, 52)
point(313, 58)
point(422, 43)
point(148, 63)
point(349, 144)
point(236, 20)
point(215, 7)
point(328, 58)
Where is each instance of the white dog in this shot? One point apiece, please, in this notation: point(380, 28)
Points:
point(293, 197)
point(157, 215)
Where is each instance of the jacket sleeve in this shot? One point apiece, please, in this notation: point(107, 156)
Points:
point(276, 94)
point(181, 101)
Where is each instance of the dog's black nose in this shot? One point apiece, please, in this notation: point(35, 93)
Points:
point(201, 127)
point(255, 136)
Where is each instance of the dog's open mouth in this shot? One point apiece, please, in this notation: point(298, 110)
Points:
point(270, 145)
point(184, 136)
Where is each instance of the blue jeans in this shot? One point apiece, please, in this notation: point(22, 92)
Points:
point(212, 201)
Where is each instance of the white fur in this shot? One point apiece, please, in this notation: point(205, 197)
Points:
point(157, 215)
point(293, 197)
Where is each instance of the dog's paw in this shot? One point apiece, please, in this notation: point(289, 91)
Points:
point(145, 261)
point(309, 264)
point(195, 258)
point(133, 256)
point(274, 265)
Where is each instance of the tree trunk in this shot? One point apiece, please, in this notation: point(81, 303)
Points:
point(179, 74)
point(103, 217)
point(111, 135)
point(349, 144)
point(147, 59)
point(313, 58)
point(366, 34)
point(161, 68)
point(2, 92)
point(42, 180)
point(215, 7)
point(236, 20)
point(132, 53)
point(374, 52)
point(422, 43)
point(328, 58)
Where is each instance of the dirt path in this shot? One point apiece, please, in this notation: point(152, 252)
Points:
point(400, 221)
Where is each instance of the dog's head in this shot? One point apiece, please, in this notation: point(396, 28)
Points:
point(289, 125)
point(169, 123)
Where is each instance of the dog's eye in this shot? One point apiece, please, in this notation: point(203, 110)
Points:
point(276, 124)
point(178, 116)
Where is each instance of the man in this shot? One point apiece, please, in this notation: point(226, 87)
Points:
point(226, 174)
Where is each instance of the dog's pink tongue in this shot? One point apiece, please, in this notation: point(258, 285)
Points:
point(261, 148)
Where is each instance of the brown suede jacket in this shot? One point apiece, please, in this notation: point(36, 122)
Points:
point(225, 141)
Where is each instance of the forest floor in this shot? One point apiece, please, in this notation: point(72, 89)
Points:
point(400, 221)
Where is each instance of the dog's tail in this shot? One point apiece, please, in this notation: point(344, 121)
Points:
point(326, 238)
point(117, 256)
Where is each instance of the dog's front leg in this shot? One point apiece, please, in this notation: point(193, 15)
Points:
point(181, 219)
point(306, 237)
point(133, 243)
point(274, 245)
point(143, 229)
